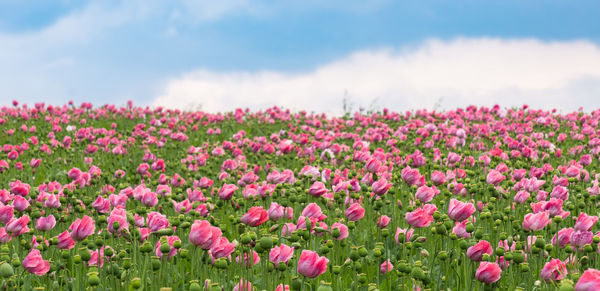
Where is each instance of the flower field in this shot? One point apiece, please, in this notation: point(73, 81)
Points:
point(138, 198)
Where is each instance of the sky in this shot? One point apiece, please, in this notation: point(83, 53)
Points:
point(303, 55)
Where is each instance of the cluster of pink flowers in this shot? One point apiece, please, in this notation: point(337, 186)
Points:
point(521, 179)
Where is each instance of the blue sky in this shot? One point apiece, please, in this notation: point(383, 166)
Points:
point(258, 53)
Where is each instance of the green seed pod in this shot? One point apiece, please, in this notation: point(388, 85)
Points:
point(183, 253)
point(325, 286)
point(362, 251)
point(377, 253)
point(246, 239)
point(136, 283)
point(540, 242)
point(417, 273)
point(557, 219)
point(323, 250)
point(116, 225)
point(362, 278)
point(518, 257)
point(568, 248)
point(266, 243)
point(221, 263)
point(357, 265)
point(165, 248)
point(566, 285)
point(126, 263)
point(155, 263)
point(351, 225)
point(404, 268)
point(146, 247)
point(108, 251)
point(354, 255)
point(336, 233)
point(195, 287)
point(486, 258)
point(165, 231)
point(177, 244)
point(519, 246)
point(329, 244)
point(440, 228)
point(94, 280)
point(479, 234)
point(305, 234)
point(448, 224)
point(6, 270)
point(85, 254)
point(296, 283)
point(443, 255)
point(385, 232)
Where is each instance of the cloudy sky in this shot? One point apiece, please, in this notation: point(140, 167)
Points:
point(220, 55)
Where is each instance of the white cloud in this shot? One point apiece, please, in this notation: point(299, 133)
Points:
point(482, 71)
point(58, 62)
